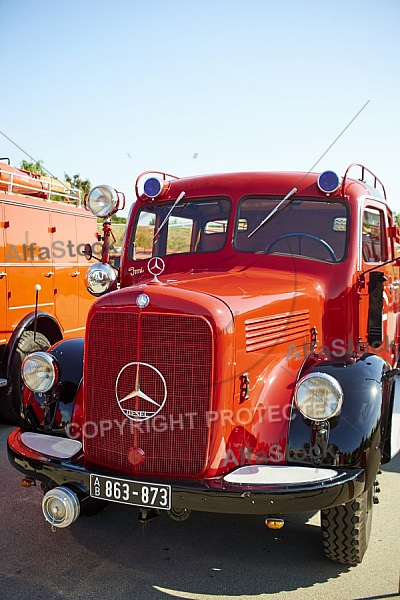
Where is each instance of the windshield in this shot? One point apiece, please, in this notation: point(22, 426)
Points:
point(310, 228)
point(191, 225)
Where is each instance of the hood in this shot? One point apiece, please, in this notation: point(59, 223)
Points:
point(241, 290)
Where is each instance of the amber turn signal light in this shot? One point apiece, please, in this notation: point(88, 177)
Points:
point(274, 523)
point(28, 482)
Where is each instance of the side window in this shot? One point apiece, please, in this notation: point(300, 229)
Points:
point(374, 240)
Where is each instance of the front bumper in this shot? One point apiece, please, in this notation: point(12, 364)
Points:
point(236, 496)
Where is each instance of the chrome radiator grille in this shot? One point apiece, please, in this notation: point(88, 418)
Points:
point(178, 347)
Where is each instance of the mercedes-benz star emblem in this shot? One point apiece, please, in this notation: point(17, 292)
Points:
point(141, 391)
point(156, 266)
point(142, 301)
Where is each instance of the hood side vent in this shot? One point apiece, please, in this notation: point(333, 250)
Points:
point(264, 332)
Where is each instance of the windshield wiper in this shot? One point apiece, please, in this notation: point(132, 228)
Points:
point(179, 198)
point(273, 212)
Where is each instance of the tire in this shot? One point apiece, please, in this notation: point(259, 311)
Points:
point(10, 404)
point(92, 506)
point(346, 529)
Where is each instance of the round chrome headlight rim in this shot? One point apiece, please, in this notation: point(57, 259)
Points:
point(100, 278)
point(40, 372)
point(102, 201)
point(318, 396)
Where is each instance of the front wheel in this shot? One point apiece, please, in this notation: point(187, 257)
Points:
point(346, 529)
point(11, 401)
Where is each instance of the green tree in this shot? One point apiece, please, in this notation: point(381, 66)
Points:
point(33, 167)
point(80, 184)
point(75, 181)
point(119, 220)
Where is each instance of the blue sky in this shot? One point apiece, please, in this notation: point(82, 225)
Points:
point(111, 89)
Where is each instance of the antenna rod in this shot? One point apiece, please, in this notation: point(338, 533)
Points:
point(28, 155)
point(38, 287)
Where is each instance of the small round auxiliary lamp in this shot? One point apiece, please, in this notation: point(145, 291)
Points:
point(154, 187)
point(328, 182)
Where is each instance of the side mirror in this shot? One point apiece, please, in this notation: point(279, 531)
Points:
point(87, 251)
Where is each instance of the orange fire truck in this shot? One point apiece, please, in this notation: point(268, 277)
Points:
point(248, 362)
point(42, 293)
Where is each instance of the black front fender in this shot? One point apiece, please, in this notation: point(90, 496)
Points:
point(53, 411)
point(355, 433)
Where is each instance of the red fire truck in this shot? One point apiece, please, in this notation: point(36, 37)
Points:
point(242, 360)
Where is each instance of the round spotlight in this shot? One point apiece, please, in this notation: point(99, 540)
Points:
point(102, 201)
point(100, 278)
point(328, 182)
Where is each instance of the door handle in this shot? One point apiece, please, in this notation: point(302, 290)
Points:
point(48, 274)
point(75, 273)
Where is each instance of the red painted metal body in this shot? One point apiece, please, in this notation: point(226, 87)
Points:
point(233, 289)
point(219, 315)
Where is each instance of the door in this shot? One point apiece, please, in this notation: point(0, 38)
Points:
point(28, 261)
point(70, 232)
point(377, 326)
point(66, 272)
point(4, 334)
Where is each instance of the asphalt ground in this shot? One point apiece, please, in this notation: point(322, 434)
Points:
point(207, 557)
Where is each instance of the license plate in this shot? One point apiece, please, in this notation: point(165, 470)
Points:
point(139, 493)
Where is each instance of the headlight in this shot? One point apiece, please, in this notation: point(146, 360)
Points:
point(39, 372)
point(318, 396)
point(102, 201)
point(100, 278)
